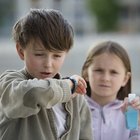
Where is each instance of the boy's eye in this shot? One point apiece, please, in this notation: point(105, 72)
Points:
point(57, 55)
point(39, 54)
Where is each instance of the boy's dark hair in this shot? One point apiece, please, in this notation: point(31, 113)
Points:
point(111, 48)
point(48, 26)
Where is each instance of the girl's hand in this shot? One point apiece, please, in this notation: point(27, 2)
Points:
point(125, 104)
point(134, 103)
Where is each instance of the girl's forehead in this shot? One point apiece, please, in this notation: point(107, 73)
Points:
point(107, 58)
point(107, 55)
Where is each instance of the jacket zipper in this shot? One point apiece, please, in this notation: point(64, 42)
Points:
point(52, 124)
point(102, 115)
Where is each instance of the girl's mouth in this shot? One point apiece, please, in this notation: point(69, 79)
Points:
point(105, 86)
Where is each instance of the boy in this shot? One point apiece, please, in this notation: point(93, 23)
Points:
point(35, 104)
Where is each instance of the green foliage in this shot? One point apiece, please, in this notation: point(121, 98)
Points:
point(106, 13)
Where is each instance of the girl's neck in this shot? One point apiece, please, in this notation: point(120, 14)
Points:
point(102, 100)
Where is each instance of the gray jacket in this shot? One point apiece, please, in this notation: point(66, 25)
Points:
point(26, 109)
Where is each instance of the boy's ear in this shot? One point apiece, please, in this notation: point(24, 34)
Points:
point(20, 51)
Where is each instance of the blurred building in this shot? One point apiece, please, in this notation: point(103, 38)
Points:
point(130, 15)
point(74, 10)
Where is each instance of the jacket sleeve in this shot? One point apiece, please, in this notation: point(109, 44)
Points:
point(20, 97)
point(86, 127)
point(135, 134)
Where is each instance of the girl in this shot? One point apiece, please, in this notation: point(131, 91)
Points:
point(107, 71)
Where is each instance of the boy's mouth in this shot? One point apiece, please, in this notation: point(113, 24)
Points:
point(46, 74)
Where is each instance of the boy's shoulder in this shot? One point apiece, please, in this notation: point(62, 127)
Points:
point(10, 73)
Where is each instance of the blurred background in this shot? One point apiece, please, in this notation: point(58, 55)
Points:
point(93, 21)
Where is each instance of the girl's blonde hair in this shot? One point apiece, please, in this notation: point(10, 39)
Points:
point(112, 48)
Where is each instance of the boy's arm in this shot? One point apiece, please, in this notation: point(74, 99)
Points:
point(22, 98)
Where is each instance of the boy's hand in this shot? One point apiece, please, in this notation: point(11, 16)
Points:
point(81, 84)
point(78, 85)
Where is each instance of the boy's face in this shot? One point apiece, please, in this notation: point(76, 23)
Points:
point(39, 62)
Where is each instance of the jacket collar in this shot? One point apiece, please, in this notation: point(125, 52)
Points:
point(116, 104)
point(57, 76)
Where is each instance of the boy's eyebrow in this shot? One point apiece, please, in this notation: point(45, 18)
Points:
point(43, 50)
point(38, 49)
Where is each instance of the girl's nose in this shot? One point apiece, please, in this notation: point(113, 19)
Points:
point(106, 76)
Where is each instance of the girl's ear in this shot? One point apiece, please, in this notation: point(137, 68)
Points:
point(85, 73)
point(86, 78)
point(127, 77)
point(20, 51)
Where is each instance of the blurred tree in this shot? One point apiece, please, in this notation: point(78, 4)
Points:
point(106, 13)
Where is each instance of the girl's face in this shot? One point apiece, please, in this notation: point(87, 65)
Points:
point(39, 62)
point(106, 75)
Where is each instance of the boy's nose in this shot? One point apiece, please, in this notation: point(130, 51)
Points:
point(48, 62)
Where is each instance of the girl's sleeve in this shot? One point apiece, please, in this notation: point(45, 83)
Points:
point(21, 98)
point(135, 134)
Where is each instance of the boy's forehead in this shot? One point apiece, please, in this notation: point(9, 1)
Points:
point(37, 44)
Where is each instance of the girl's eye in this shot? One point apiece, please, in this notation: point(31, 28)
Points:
point(98, 70)
point(114, 72)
